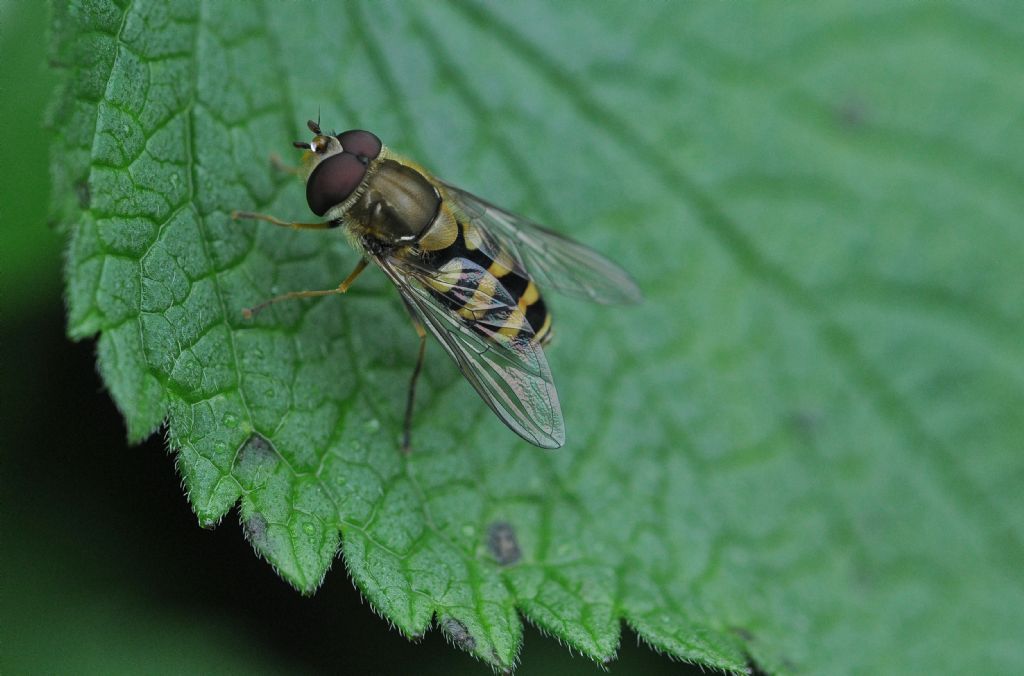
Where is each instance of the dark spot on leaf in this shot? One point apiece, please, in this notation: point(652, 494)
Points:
point(256, 531)
point(459, 634)
point(257, 448)
point(744, 634)
point(851, 114)
point(83, 194)
point(255, 460)
point(502, 543)
point(804, 422)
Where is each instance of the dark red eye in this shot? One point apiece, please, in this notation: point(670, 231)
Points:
point(333, 181)
point(359, 142)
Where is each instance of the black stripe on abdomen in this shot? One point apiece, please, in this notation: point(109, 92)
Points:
point(536, 313)
point(458, 249)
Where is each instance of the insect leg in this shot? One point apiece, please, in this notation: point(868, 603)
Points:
point(241, 215)
point(407, 428)
point(250, 312)
point(283, 167)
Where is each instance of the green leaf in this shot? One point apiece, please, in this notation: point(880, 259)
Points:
point(804, 450)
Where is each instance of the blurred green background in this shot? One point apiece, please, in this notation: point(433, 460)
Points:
point(103, 567)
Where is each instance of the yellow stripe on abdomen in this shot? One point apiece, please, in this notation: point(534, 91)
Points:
point(543, 334)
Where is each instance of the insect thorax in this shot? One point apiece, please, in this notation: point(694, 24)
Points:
point(397, 204)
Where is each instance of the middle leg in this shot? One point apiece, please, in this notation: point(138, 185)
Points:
point(411, 398)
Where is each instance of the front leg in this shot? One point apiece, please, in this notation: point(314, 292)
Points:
point(250, 312)
point(284, 168)
point(242, 215)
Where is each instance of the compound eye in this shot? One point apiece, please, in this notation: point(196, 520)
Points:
point(359, 142)
point(332, 181)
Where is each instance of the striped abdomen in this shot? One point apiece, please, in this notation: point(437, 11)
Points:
point(445, 242)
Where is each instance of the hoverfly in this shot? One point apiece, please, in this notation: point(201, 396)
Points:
point(468, 272)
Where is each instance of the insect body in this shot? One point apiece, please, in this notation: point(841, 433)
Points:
point(469, 272)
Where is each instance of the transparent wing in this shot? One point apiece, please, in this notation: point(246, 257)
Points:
point(554, 261)
point(511, 374)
